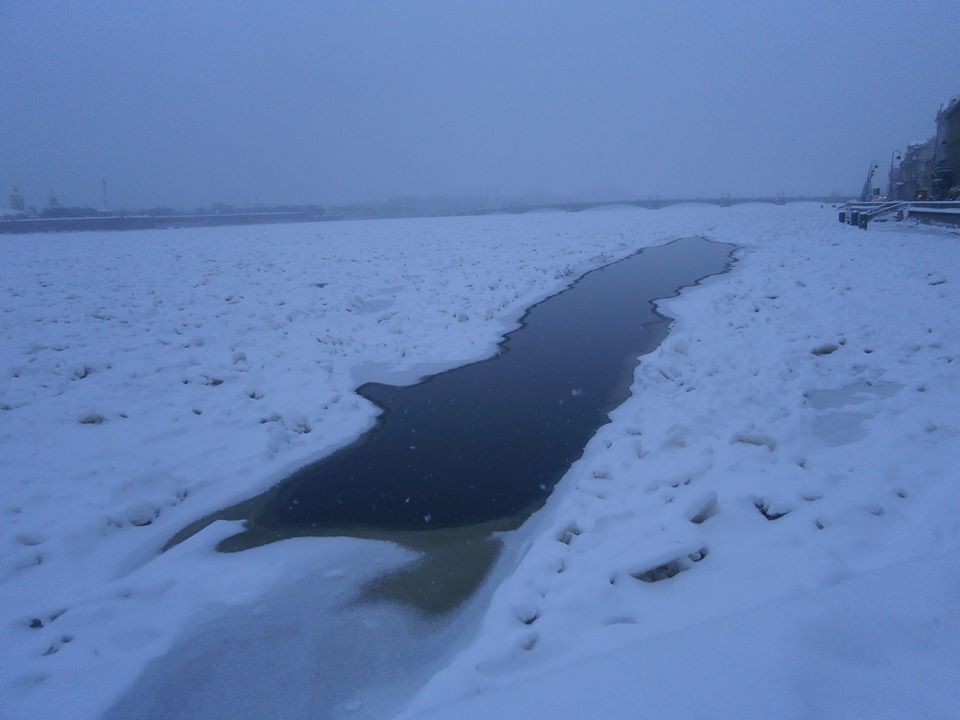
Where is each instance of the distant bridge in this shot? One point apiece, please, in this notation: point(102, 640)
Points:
point(150, 222)
point(657, 203)
point(143, 222)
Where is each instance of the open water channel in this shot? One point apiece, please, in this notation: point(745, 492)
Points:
point(454, 461)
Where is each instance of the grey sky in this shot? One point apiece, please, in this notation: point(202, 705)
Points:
point(184, 103)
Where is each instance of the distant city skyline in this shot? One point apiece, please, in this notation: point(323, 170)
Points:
point(183, 105)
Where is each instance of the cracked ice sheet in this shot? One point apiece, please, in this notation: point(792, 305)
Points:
point(262, 330)
point(149, 378)
point(829, 584)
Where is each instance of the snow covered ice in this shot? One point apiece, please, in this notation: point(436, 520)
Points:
point(769, 525)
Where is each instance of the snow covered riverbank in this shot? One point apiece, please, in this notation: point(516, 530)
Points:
point(150, 378)
point(769, 527)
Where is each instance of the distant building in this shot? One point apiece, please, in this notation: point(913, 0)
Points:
point(913, 177)
point(16, 200)
point(930, 169)
point(946, 177)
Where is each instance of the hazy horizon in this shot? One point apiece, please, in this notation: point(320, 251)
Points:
point(184, 105)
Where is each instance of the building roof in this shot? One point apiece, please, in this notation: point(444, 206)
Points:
point(952, 106)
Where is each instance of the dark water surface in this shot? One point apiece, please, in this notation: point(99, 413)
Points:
point(488, 441)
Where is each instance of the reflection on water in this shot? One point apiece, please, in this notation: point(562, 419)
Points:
point(453, 564)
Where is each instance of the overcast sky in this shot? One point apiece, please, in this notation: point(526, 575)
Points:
point(185, 103)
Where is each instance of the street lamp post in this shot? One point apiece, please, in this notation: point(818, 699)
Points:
point(894, 157)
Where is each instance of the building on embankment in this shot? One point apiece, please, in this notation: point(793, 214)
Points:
point(945, 184)
point(911, 179)
point(930, 169)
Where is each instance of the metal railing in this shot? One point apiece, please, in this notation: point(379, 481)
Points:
point(861, 214)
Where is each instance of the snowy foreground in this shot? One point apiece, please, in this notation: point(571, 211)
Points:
point(769, 526)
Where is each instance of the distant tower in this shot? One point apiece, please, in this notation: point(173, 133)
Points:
point(53, 202)
point(103, 188)
point(16, 200)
